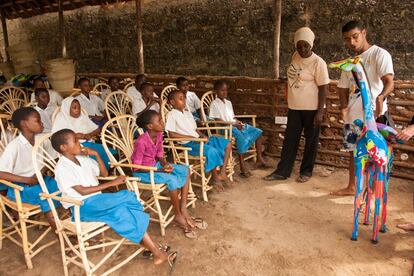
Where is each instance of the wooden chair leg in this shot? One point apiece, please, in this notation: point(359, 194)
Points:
point(63, 252)
point(25, 241)
point(85, 261)
point(1, 228)
point(160, 214)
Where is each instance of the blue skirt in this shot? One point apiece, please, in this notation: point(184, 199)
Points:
point(100, 123)
point(246, 137)
point(214, 151)
point(101, 151)
point(174, 180)
point(30, 194)
point(121, 211)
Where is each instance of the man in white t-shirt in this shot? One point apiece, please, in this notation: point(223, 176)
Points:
point(380, 74)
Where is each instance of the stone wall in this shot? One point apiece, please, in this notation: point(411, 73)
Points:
point(215, 37)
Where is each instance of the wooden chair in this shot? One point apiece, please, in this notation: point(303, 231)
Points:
point(167, 90)
point(28, 215)
point(200, 179)
point(11, 105)
point(77, 252)
point(117, 103)
point(119, 133)
point(128, 85)
point(10, 92)
point(7, 131)
point(206, 101)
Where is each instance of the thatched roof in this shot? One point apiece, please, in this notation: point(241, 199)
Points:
point(28, 8)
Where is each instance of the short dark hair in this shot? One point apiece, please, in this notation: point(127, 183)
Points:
point(111, 79)
point(37, 79)
point(145, 84)
point(146, 118)
point(22, 114)
point(82, 80)
point(173, 93)
point(140, 76)
point(60, 138)
point(219, 83)
point(350, 25)
point(39, 91)
point(180, 80)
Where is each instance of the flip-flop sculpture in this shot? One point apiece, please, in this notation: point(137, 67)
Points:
point(373, 154)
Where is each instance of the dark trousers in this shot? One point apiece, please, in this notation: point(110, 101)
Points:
point(297, 121)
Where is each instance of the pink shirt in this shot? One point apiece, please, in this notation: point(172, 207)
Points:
point(145, 151)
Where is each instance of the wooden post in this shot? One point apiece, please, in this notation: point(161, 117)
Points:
point(62, 28)
point(140, 47)
point(5, 35)
point(276, 37)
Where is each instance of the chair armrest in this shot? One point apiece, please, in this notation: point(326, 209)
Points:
point(177, 147)
point(214, 122)
point(214, 128)
point(109, 178)
point(11, 185)
point(44, 196)
point(186, 139)
point(245, 116)
point(134, 166)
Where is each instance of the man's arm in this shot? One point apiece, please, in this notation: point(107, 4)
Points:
point(388, 81)
point(343, 100)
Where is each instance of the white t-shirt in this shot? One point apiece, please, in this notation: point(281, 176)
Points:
point(17, 156)
point(55, 97)
point(222, 110)
point(46, 116)
point(94, 105)
point(304, 77)
point(69, 174)
point(138, 103)
point(182, 123)
point(193, 103)
point(377, 63)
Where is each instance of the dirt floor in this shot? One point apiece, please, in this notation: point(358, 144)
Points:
point(261, 228)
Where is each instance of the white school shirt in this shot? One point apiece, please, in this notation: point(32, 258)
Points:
point(304, 77)
point(17, 156)
point(222, 110)
point(55, 97)
point(182, 123)
point(193, 103)
point(69, 174)
point(46, 116)
point(377, 63)
point(138, 103)
point(93, 106)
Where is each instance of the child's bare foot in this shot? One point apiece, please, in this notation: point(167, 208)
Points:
point(160, 257)
point(188, 218)
point(343, 192)
point(262, 164)
point(181, 221)
point(406, 227)
point(229, 183)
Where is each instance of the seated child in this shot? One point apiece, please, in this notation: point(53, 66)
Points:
point(113, 83)
point(72, 117)
point(76, 175)
point(93, 104)
point(45, 108)
point(245, 135)
point(16, 161)
point(55, 97)
point(133, 91)
point(148, 100)
point(148, 151)
point(193, 103)
point(181, 124)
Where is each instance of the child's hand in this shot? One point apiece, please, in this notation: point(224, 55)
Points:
point(239, 125)
point(89, 152)
point(32, 180)
point(80, 135)
point(168, 168)
point(120, 180)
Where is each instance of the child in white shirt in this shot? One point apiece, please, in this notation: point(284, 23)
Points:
point(193, 103)
point(245, 135)
point(55, 97)
point(93, 104)
point(45, 108)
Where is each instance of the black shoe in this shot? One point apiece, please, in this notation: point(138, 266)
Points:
point(274, 176)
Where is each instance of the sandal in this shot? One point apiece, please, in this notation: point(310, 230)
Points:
point(148, 254)
point(200, 223)
point(189, 233)
point(172, 261)
point(303, 179)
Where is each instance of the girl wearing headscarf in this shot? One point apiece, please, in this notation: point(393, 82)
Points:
point(308, 81)
point(71, 117)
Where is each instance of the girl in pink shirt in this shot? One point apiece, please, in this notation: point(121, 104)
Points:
point(148, 151)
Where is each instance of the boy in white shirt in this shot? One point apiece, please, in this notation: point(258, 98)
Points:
point(193, 103)
point(113, 83)
point(380, 74)
point(148, 100)
point(16, 163)
point(55, 97)
point(91, 103)
point(77, 174)
point(245, 135)
point(45, 108)
point(181, 124)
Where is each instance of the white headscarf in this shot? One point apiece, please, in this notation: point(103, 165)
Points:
point(63, 120)
point(304, 34)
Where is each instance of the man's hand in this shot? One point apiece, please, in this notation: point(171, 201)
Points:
point(379, 106)
point(407, 133)
point(317, 120)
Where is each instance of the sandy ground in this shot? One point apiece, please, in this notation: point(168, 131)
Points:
point(261, 228)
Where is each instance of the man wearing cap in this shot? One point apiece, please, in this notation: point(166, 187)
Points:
point(308, 81)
